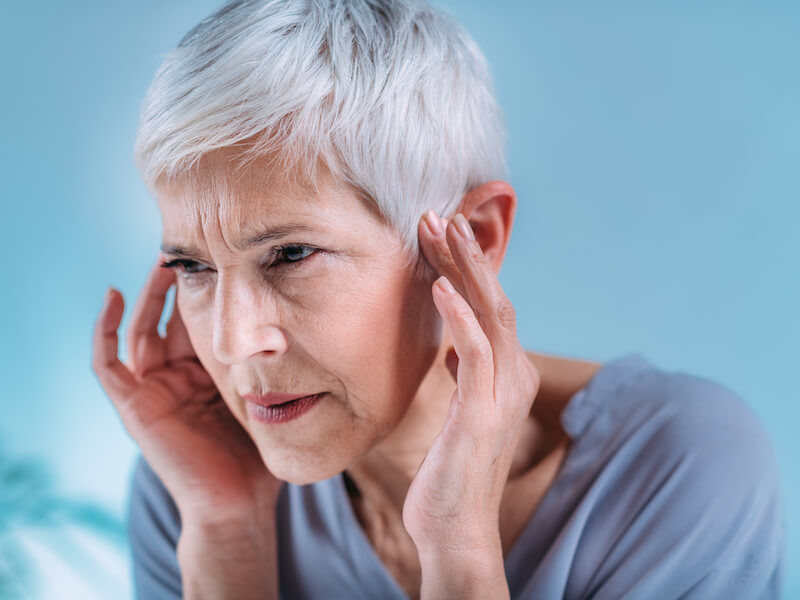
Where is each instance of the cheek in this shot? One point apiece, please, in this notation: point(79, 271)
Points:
point(386, 338)
point(195, 316)
point(377, 332)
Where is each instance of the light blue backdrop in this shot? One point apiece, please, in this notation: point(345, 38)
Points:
point(654, 148)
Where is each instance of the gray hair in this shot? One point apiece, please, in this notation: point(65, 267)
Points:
point(392, 96)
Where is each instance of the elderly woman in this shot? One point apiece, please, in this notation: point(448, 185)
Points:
point(340, 406)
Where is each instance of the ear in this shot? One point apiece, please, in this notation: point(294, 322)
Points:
point(490, 210)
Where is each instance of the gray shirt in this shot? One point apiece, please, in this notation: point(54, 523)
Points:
point(669, 489)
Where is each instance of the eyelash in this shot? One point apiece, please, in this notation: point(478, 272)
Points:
point(183, 263)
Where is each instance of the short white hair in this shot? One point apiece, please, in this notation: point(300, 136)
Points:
point(393, 96)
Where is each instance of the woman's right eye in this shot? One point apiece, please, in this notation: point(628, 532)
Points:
point(187, 267)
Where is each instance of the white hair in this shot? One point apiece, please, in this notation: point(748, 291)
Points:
point(392, 96)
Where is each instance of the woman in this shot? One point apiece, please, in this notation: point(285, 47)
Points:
point(340, 407)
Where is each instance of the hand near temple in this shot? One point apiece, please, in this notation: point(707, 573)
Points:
point(452, 508)
point(170, 406)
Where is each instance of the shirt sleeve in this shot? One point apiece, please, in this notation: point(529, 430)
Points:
point(153, 531)
point(700, 511)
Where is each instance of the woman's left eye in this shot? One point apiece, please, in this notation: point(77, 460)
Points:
point(290, 255)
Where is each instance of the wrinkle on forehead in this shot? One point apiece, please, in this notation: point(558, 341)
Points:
point(217, 196)
point(221, 196)
point(216, 179)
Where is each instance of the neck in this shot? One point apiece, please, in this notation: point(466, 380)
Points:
point(382, 476)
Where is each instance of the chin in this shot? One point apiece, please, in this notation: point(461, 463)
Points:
point(301, 469)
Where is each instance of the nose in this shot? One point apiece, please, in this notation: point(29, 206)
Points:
point(245, 322)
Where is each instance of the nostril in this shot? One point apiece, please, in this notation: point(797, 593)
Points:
point(237, 343)
point(245, 321)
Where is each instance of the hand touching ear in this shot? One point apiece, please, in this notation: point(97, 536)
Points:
point(453, 504)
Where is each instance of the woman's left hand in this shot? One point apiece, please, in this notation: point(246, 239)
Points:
point(452, 508)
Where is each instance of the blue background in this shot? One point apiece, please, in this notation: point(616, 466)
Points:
point(654, 146)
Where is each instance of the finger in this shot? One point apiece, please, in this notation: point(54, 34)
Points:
point(475, 375)
point(483, 291)
point(146, 347)
point(179, 346)
point(114, 376)
point(431, 233)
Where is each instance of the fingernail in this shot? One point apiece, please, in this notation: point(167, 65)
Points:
point(463, 226)
point(445, 285)
point(434, 223)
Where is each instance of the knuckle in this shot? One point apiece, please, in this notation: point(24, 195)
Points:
point(506, 314)
point(446, 261)
point(480, 355)
point(476, 253)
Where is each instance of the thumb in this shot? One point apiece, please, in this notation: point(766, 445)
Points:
point(451, 360)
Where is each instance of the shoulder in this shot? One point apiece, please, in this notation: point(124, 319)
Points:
point(701, 427)
point(673, 415)
point(692, 486)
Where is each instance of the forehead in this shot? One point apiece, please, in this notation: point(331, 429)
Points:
point(216, 185)
point(217, 194)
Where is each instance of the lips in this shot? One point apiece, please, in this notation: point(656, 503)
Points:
point(273, 398)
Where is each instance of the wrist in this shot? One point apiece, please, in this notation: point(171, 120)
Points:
point(464, 578)
point(468, 572)
point(224, 561)
point(246, 536)
point(461, 545)
point(225, 541)
point(238, 512)
point(477, 560)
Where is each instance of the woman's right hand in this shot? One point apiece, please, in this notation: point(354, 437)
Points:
point(173, 410)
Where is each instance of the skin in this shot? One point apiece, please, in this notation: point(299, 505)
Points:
point(349, 321)
point(346, 321)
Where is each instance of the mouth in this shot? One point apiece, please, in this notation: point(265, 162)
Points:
point(282, 412)
point(274, 398)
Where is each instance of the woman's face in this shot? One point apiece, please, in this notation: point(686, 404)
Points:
point(346, 318)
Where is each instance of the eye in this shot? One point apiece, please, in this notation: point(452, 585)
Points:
point(187, 267)
point(288, 256)
point(285, 257)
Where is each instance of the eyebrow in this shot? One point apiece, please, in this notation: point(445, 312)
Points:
point(263, 237)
